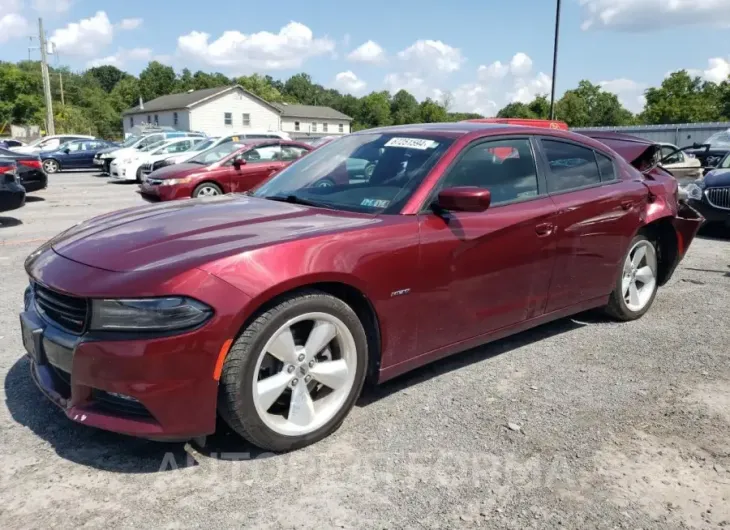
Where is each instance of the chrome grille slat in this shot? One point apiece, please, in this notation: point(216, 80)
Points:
point(719, 197)
point(69, 312)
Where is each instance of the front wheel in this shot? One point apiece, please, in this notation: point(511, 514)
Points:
point(207, 189)
point(51, 166)
point(636, 286)
point(295, 372)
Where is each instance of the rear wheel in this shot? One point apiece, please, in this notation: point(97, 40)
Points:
point(51, 166)
point(324, 183)
point(207, 189)
point(138, 176)
point(294, 374)
point(636, 286)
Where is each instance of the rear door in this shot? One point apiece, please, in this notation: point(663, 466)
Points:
point(74, 158)
point(598, 214)
point(262, 161)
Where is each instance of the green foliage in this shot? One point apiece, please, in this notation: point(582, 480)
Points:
point(95, 99)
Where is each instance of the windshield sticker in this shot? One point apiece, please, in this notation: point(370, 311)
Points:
point(375, 203)
point(411, 143)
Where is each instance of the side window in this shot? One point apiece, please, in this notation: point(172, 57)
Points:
point(292, 152)
point(606, 167)
point(265, 153)
point(505, 167)
point(571, 166)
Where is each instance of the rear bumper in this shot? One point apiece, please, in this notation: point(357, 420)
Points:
point(12, 197)
point(34, 180)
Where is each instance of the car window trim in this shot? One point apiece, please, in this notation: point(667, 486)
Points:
point(548, 170)
point(541, 182)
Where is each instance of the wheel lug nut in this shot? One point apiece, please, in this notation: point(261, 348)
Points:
point(294, 382)
point(311, 364)
point(290, 369)
point(307, 379)
point(301, 357)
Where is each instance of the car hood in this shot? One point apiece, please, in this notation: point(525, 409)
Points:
point(717, 178)
point(108, 150)
point(178, 170)
point(186, 234)
point(116, 152)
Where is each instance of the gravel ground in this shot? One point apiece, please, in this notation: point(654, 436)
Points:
point(582, 423)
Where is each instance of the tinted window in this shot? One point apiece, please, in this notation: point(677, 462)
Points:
point(291, 152)
point(571, 166)
point(505, 167)
point(265, 153)
point(605, 165)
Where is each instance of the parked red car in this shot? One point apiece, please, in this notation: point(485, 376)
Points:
point(226, 168)
point(273, 309)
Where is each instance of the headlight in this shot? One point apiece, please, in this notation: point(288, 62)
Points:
point(148, 314)
point(174, 182)
point(104, 155)
point(127, 161)
point(693, 191)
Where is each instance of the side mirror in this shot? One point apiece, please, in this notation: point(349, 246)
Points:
point(464, 199)
point(238, 162)
point(67, 150)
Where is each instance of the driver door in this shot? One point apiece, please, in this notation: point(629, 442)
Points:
point(483, 271)
point(260, 163)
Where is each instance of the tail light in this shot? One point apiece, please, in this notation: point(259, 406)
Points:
point(35, 164)
point(8, 171)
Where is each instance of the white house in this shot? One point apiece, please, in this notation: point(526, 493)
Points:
point(226, 110)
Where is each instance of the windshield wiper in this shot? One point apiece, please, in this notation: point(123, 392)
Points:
point(293, 199)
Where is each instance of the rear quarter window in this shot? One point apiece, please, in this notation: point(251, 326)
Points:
point(606, 167)
point(571, 166)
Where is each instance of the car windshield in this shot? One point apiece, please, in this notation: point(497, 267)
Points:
point(719, 140)
point(205, 144)
point(369, 172)
point(725, 163)
point(214, 154)
point(153, 147)
point(129, 142)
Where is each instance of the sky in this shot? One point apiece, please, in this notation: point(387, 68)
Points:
point(484, 53)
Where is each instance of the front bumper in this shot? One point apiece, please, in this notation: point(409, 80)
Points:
point(151, 191)
point(171, 379)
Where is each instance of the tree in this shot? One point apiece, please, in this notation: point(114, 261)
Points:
point(516, 110)
point(185, 81)
point(404, 108)
point(126, 94)
point(108, 76)
point(258, 85)
point(432, 112)
point(540, 107)
point(375, 110)
point(156, 80)
point(682, 98)
point(590, 105)
point(300, 87)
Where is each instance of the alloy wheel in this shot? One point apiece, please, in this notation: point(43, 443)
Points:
point(639, 276)
point(207, 191)
point(50, 166)
point(304, 374)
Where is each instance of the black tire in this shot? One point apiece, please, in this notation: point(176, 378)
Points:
point(368, 171)
point(106, 167)
point(617, 307)
point(138, 176)
point(324, 183)
point(236, 404)
point(51, 166)
point(198, 191)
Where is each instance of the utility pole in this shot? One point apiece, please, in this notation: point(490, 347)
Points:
point(555, 61)
point(50, 125)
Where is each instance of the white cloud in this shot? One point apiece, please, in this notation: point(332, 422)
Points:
point(630, 93)
point(645, 15)
point(122, 57)
point(52, 6)
point(85, 37)
point(432, 56)
point(416, 85)
point(474, 97)
point(349, 82)
point(525, 90)
point(13, 26)
point(369, 52)
point(130, 23)
point(496, 70)
point(294, 44)
point(718, 70)
point(520, 65)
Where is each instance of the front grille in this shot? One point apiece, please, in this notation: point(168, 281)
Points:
point(119, 406)
point(719, 197)
point(69, 312)
point(146, 168)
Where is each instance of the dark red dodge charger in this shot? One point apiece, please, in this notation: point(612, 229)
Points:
point(272, 308)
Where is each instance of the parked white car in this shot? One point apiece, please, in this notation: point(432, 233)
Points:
point(48, 143)
point(680, 164)
point(130, 166)
point(197, 149)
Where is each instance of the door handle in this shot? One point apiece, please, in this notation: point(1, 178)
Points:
point(626, 205)
point(544, 229)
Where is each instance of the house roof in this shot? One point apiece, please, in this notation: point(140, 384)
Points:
point(310, 112)
point(186, 100)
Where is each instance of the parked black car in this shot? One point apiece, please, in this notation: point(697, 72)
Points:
point(30, 170)
point(12, 194)
point(713, 150)
point(710, 195)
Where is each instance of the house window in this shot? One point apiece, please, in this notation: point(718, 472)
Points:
point(314, 126)
point(149, 119)
point(174, 117)
point(247, 120)
point(228, 118)
point(131, 121)
point(324, 127)
point(157, 121)
point(296, 125)
point(342, 127)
